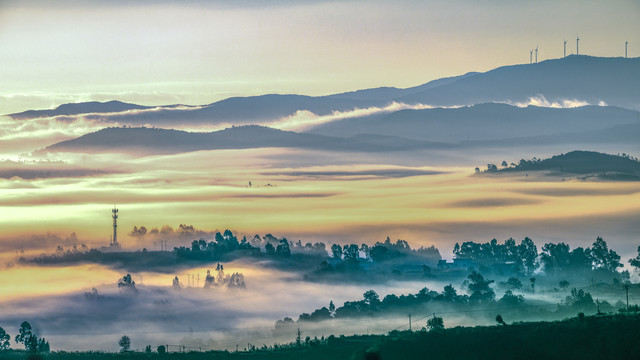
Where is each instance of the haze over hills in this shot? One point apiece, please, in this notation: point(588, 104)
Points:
point(581, 79)
point(482, 122)
point(163, 141)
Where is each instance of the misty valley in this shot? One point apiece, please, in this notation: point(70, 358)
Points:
point(487, 215)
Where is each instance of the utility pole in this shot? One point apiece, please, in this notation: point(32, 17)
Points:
point(626, 288)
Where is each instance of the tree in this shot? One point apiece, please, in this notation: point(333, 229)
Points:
point(283, 248)
point(147, 350)
point(269, 248)
point(371, 298)
point(512, 283)
point(127, 284)
point(603, 258)
point(24, 334)
point(555, 257)
point(42, 345)
point(161, 349)
point(125, 343)
point(511, 300)
point(479, 288)
point(435, 324)
point(528, 253)
point(635, 262)
point(504, 164)
point(336, 251)
point(176, 282)
point(332, 309)
point(351, 252)
point(499, 320)
point(4, 340)
point(449, 293)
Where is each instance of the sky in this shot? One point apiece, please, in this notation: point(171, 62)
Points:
point(197, 52)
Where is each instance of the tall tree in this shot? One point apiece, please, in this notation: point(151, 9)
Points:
point(435, 324)
point(336, 251)
point(479, 288)
point(24, 334)
point(528, 253)
point(635, 262)
point(125, 343)
point(4, 340)
point(603, 258)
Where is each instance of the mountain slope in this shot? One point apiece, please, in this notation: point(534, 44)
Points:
point(586, 78)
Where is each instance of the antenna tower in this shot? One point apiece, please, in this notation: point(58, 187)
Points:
point(114, 240)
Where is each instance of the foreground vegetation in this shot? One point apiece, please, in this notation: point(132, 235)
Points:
point(581, 337)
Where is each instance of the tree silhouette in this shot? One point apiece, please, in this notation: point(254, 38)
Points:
point(127, 284)
point(528, 254)
point(4, 340)
point(269, 248)
point(499, 320)
point(479, 289)
point(603, 258)
point(336, 251)
point(161, 349)
point(125, 343)
point(635, 262)
point(24, 334)
point(435, 324)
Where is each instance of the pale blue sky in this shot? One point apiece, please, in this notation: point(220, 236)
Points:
point(196, 52)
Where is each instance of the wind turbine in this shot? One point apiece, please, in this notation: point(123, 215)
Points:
point(536, 54)
point(530, 56)
point(565, 48)
point(577, 43)
point(625, 48)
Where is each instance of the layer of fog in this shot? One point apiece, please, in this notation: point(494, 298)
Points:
point(210, 318)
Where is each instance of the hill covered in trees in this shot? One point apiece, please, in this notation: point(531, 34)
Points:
point(584, 163)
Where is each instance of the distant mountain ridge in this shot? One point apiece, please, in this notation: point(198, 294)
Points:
point(80, 108)
point(613, 81)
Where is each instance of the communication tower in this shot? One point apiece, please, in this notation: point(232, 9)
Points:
point(114, 239)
